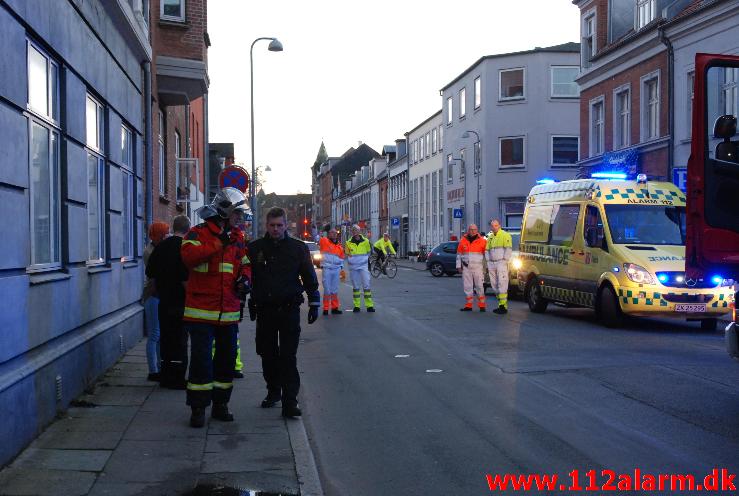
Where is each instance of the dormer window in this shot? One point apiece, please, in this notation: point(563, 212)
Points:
point(646, 11)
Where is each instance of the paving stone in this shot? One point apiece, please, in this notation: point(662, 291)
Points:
point(35, 482)
point(163, 425)
point(131, 358)
point(63, 459)
point(136, 381)
point(64, 439)
point(154, 461)
point(163, 488)
point(102, 418)
point(280, 482)
point(118, 395)
point(269, 454)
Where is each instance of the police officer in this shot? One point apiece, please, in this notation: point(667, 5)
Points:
point(499, 250)
point(281, 270)
point(215, 256)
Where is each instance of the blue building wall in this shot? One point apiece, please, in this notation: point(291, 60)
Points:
point(73, 321)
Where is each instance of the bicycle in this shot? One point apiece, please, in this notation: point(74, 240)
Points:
point(388, 267)
point(422, 253)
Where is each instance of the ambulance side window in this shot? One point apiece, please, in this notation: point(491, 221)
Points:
point(593, 228)
point(564, 224)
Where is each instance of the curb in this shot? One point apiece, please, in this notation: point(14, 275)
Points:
point(305, 463)
point(420, 266)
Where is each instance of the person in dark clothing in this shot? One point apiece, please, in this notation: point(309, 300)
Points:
point(281, 271)
point(170, 276)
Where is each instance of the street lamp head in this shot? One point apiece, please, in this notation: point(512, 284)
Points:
point(275, 45)
point(268, 169)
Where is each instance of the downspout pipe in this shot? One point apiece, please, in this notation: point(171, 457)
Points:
point(670, 101)
point(149, 155)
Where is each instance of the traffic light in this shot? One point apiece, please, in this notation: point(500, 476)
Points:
point(305, 221)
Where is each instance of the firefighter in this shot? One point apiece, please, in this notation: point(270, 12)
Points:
point(470, 260)
point(215, 256)
point(358, 249)
point(332, 262)
point(499, 251)
point(382, 246)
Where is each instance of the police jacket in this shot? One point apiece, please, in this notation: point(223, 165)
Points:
point(281, 270)
point(213, 271)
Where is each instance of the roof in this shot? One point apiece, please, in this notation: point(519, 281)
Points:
point(352, 161)
point(570, 47)
point(424, 122)
point(609, 191)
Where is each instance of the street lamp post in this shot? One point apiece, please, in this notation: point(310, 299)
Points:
point(274, 46)
point(477, 167)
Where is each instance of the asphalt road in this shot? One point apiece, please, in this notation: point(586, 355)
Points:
point(521, 393)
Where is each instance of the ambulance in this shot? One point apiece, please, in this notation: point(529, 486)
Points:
point(616, 246)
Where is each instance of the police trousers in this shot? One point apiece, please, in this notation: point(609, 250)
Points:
point(277, 336)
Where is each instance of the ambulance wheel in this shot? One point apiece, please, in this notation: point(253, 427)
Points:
point(709, 324)
point(536, 301)
point(608, 309)
point(437, 270)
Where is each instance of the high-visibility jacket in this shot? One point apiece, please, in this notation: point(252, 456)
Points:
point(358, 252)
point(213, 271)
point(385, 246)
point(332, 253)
point(499, 246)
point(471, 252)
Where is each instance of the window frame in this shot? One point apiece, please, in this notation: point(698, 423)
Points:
point(552, 69)
point(588, 21)
point(618, 114)
point(477, 85)
point(127, 214)
point(53, 101)
point(477, 157)
point(462, 102)
point(462, 164)
point(162, 143)
point(428, 144)
point(500, 152)
point(434, 141)
point(646, 105)
point(449, 169)
point(102, 208)
point(449, 111)
point(127, 152)
point(99, 145)
point(171, 18)
point(690, 90)
point(500, 85)
point(592, 152)
point(641, 22)
point(554, 165)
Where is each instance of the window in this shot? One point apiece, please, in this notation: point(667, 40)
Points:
point(563, 82)
point(477, 156)
point(450, 221)
point(415, 151)
point(691, 97)
point(94, 115)
point(477, 213)
point(126, 148)
point(43, 160)
point(646, 224)
point(449, 168)
point(449, 111)
point(162, 157)
point(441, 138)
point(650, 108)
point(512, 152)
point(565, 150)
point(597, 127)
point(462, 164)
point(593, 230)
point(127, 213)
point(564, 224)
point(177, 145)
point(441, 202)
point(646, 11)
point(729, 91)
point(538, 223)
point(462, 102)
point(512, 84)
point(478, 94)
point(428, 144)
point(95, 208)
point(512, 212)
point(422, 146)
point(434, 141)
point(173, 10)
point(588, 46)
point(43, 84)
point(622, 118)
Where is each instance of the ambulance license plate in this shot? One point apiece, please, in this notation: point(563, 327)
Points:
point(690, 307)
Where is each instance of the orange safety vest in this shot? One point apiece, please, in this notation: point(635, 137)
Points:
point(471, 252)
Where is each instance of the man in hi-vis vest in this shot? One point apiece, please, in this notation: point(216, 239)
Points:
point(499, 251)
point(470, 260)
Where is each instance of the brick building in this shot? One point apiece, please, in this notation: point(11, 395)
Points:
point(625, 84)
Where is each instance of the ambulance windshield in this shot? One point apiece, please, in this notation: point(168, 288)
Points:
point(646, 224)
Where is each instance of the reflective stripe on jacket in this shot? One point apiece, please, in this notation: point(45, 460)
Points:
point(358, 253)
point(471, 252)
point(499, 246)
point(332, 254)
point(385, 246)
point(213, 270)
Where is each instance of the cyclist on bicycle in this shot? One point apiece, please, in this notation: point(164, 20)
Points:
point(382, 246)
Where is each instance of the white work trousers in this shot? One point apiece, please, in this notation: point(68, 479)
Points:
point(331, 281)
point(498, 276)
point(360, 277)
point(472, 278)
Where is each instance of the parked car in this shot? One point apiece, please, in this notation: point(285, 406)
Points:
point(315, 253)
point(443, 259)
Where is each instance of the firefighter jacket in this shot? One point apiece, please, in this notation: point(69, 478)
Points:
point(358, 252)
point(471, 251)
point(385, 246)
point(332, 254)
point(211, 295)
point(499, 246)
point(281, 270)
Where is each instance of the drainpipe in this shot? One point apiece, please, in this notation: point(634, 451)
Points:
point(670, 101)
point(206, 151)
point(188, 144)
point(149, 155)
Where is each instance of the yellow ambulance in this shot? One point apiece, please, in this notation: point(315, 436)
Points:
point(617, 246)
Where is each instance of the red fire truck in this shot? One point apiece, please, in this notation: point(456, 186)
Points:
point(712, 242)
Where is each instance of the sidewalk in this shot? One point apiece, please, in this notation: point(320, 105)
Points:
point(410, 264)
point(130, 437)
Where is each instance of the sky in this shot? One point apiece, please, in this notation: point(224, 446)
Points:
point(352, 71)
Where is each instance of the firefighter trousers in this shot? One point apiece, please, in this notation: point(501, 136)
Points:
point(472, 279)
point(211, 374)
point(361, 284)
point(499, 280)
point(277, 337)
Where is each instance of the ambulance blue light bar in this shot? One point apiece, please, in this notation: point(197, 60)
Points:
point(608, 175)
point(717, 280)
point(545, 181)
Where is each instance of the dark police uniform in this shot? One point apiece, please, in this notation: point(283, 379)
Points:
point(281, 270)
